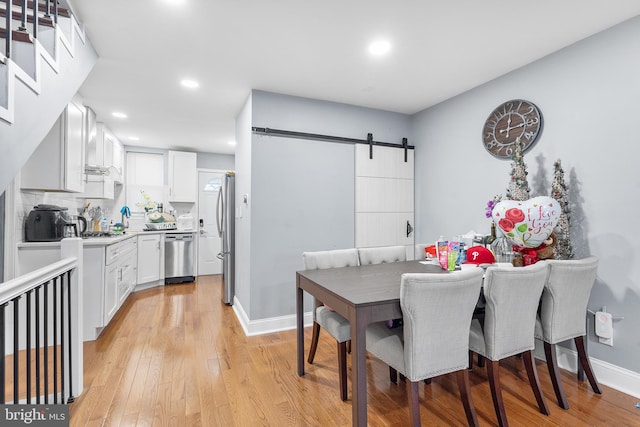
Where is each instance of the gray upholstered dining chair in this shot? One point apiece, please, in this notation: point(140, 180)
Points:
point(562, 316)
point(336, 325)
point(434, 338)
point(382, 254)
point(512, 295)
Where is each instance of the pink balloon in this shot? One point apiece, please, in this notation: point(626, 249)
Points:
point(528, 223)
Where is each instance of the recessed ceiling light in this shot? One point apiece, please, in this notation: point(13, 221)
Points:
point(231, 143)
point(189, 84)
point(134, 138)
point(119, 115)
point(379, 47)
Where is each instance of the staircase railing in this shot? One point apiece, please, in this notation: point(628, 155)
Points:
point(50, 10)
point(41, 332)
point(8, 37)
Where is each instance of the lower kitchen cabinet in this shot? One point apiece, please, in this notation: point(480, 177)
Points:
point(111, 271)
point(150, 260)
point(120, 276)
point(109, 277)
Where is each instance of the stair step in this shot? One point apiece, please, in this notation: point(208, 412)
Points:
point(42, 8)
point(20, 36)
point(17, 16)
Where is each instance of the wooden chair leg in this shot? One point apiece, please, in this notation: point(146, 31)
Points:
point(315, 335)
point(342, 369)
point(493, 372)
point(586, 364)
point(414, 404)
point(532, 373)
point(393, 375)
point(480, 361)
point(349, 346)
point(554, 373)
point(465, 395)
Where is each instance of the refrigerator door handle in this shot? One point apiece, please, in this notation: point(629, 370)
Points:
point(219, 212)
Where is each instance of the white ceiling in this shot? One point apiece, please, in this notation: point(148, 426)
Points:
point(315, 49)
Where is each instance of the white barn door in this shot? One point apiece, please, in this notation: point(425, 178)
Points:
point(384, 198)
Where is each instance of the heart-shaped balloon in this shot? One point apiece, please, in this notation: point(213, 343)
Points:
point(528, 223)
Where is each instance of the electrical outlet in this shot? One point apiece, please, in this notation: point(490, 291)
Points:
point(606, 341)
point(604, 327)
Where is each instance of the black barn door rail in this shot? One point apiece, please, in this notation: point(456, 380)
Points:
point(340, 139)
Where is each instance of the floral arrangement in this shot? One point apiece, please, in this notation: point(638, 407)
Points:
point(147, 204)
point(491, 204)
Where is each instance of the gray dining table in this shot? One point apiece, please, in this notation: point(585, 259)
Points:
point(362, 294)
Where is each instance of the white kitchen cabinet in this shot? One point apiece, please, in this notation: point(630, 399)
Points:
point(57, 164)
point(113, 155)
point(104, 153)
point(110, 293)
point(183, 177)
point(127, 278)
point(118, 161)
point(150, 256)
point(119, 278)
point(107, 272)
point(109, 276)
point(103, 148)
point(93, 154)
point(101, 188)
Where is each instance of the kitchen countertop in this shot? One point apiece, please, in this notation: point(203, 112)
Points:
point(102, 241)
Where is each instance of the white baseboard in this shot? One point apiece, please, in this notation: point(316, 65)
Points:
point(613, 376)
point(269, 325)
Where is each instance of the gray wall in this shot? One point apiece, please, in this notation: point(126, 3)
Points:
point(588, 94)
point(301, 192)
point(216, 161)
point(243, 221)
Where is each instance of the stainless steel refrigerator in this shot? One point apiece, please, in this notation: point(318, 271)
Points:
point(226, 220)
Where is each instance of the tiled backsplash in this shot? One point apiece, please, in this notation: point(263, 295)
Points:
point(26, 200)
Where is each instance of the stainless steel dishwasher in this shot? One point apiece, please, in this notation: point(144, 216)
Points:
point(178, 258)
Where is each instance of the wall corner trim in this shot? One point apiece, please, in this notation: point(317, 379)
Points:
point(268, 325)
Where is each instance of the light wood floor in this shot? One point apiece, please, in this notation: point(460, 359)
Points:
point(177, 356)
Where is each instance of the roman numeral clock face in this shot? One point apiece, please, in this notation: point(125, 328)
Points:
point(512, 119)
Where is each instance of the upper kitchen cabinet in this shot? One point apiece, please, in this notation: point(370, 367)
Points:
point(183, 177)
point(58, 162)
point(105, 152)
point(113, 154)
point(104, 160)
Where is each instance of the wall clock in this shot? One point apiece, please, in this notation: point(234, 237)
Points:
point(510, 120)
